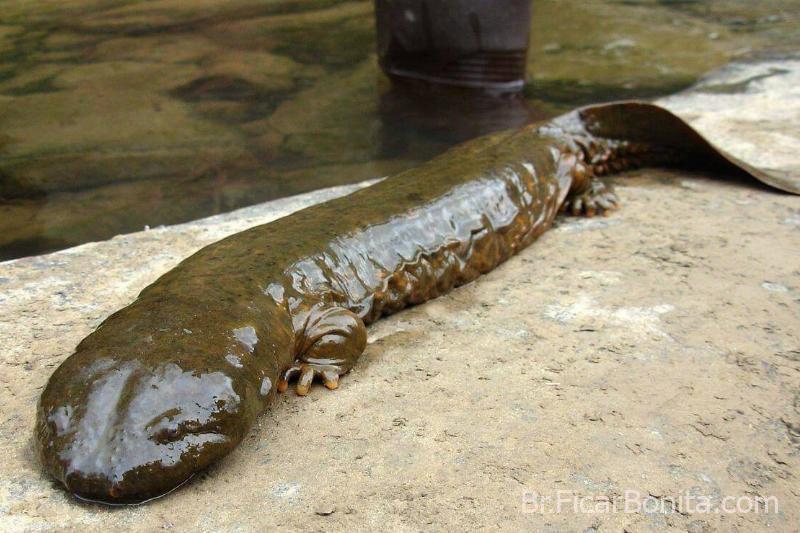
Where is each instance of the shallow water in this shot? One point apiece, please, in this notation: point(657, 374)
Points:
point(117, 115)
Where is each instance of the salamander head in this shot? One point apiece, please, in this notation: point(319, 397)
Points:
point(125, 430)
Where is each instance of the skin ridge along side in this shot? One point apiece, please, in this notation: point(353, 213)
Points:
point(172, 383)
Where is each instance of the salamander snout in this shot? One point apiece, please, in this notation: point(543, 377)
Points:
point(118, 432)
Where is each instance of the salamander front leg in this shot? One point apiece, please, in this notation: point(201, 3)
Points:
point(331, 342)
point(596, 197)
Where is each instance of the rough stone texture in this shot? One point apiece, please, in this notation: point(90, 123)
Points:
point(656, 351)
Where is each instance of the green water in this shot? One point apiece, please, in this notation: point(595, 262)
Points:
point(119, 114)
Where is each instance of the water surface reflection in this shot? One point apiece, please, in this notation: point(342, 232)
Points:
point(116, 115)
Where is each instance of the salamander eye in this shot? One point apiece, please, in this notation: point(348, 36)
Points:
point(177, 432)
point(167, 428)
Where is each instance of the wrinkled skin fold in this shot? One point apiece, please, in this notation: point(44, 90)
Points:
point(171, 383)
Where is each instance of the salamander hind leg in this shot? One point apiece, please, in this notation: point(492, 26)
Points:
point(328, 345)
point(594, 197)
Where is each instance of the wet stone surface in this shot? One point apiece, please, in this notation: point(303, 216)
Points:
point(655, 351)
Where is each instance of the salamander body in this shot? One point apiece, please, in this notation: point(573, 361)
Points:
point(171, 383)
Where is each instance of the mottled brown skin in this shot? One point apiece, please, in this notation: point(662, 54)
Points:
point(171, 383)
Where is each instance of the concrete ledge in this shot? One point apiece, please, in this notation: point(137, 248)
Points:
point(654, 351)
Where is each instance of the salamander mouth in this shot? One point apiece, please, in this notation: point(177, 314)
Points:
point(144, 469)
point(121, 501)
point(124, 474)
point(98, 489)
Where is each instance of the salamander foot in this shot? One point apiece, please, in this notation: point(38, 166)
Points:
point(598, 198)
point(331, 341)
point(305, 374)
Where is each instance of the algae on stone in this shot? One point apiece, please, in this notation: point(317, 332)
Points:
point(194, 94)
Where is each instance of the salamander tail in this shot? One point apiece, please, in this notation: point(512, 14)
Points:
point(624, 135)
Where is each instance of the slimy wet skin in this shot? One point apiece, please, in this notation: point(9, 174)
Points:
point(171, 383)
